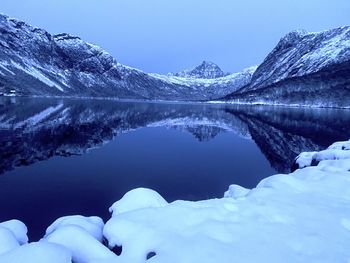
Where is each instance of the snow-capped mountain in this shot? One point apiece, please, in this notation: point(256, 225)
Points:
point(206, 70)
point(304, 68)
point(34, 62)
point(213, 88)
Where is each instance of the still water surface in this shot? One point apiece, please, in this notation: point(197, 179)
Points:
point(61, 157)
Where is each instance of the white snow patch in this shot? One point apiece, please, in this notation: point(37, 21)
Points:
point(31, 70)
point(3, 66)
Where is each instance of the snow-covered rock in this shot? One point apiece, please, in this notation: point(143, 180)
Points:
point(337, 151)
point(93, 225)
point(138, 198)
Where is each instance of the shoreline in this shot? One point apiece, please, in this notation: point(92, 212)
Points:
point(210, 102)
point(281, 218)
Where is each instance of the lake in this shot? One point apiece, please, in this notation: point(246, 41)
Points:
point(73, 156)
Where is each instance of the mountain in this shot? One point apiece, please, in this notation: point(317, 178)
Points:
point(34, 62)
point(304, 68)
point(212, 88)
point(206, 70)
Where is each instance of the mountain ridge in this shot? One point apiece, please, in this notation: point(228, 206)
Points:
point(303, 69)
point(34, 62)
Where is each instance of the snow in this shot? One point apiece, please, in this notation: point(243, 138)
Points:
point(136, 199)
point(8, 240)
point(18, 229)
point(236, 191)
point(3, 65)
point(303, 216)
point(40, 252)
point(337, 151)
point(93, 225)
point(195, 82)
point(31, 70)
point(330, 51)
point(83, 246)
point(300, 217)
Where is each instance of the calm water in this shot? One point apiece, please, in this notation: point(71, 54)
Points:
point(61, 157)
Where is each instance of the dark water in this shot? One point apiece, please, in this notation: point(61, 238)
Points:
point(61, 157)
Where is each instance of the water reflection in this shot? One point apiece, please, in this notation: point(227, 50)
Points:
point(32, 130)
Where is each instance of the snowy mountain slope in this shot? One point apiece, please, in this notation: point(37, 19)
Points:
point(34, 62)
point(214, 87)
point(304, 68)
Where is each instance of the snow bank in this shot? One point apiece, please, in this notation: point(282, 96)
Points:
point(137, 199)
point(299, 217)
point(337, 151)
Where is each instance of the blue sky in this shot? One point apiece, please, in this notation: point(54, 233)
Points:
point(168, 35)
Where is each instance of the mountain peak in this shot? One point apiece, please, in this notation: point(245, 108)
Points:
point(206, 70)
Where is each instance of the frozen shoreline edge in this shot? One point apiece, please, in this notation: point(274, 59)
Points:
point(327, 171)
point(213, 102)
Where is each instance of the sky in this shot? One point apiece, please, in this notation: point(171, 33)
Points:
point(169, 36)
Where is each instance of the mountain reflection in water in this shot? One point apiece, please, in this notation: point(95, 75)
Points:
point(183, 151)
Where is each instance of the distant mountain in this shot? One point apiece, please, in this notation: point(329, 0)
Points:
point(304, 68)
point(206, 70)
point(34, 62)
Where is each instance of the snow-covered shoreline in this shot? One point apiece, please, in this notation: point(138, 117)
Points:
point(213, 102)
point(303, 216)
